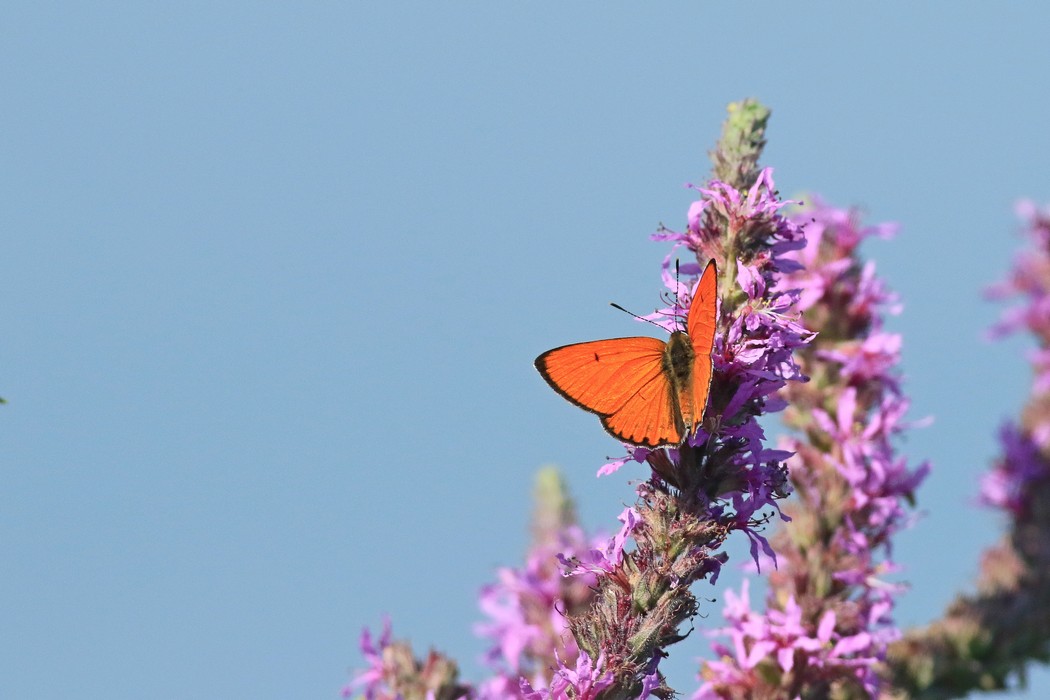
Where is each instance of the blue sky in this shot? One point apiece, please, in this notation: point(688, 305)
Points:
point(274, 277)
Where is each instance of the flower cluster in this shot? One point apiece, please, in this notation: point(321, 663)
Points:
point(783, 638)
point(828, 619)
point(753, 352)
point(394, 673)
point(754, 355)
point(584, 682)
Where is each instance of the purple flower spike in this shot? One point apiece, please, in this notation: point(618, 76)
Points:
point(1010, 485)
point(989, 635)
point(846, 471)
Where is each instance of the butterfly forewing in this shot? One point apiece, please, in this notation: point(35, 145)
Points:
point(702, 312)
point(703, 317)
point(602, 375)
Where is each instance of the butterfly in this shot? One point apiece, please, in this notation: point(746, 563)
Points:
point(645, 391)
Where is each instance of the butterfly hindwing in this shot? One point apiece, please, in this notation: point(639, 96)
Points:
point(648, 418)
point(702, 311)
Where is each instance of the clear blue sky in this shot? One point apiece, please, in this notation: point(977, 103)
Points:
point(273, 277)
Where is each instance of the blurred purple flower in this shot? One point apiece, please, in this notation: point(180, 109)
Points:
point(1009, 485)
point(527, 608)
point(373, 677)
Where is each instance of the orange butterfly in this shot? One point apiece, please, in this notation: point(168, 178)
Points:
point(645, 391)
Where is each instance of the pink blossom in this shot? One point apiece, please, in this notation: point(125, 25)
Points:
point(585, 681)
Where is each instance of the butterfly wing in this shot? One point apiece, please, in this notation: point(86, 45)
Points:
point(648, 417)
point(701, 323)
point(622, 380)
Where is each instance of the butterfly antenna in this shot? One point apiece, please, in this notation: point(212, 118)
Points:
point(677, 286)
point(668, 300)
point(640, 318)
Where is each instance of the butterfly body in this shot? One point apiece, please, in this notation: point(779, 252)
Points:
point(645, 391)
point(679, 358)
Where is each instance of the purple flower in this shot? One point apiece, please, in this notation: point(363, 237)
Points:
point(608, 556)
point(507, 625)
point(527, 608)
point(723, 478)
point(372, 678)
point(873, 358)
point(500, 687)
point(583, 682)
point(634, 453)
point(1009, 484)
point(784, 638)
